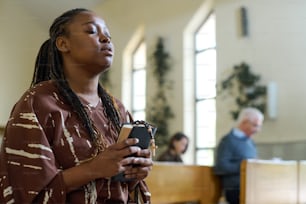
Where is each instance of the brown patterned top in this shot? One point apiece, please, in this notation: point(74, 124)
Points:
point(44, 136)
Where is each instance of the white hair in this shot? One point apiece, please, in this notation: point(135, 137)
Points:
point(249, 113)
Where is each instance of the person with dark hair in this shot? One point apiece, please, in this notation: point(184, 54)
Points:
point(236, 146)
point(177, 146)
point(60, 142)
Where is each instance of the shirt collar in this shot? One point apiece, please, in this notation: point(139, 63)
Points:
point(238, 133)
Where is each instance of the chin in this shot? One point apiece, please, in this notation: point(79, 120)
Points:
point(105, 70)
point(107, 62)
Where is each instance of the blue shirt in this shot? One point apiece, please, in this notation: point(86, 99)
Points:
point(232, 149)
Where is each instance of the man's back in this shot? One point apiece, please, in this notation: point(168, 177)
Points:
point(230, 152)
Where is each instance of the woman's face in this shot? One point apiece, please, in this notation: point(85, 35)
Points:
point(88, 43)
point(180, 145)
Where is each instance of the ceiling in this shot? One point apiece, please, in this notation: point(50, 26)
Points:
point(46, 10)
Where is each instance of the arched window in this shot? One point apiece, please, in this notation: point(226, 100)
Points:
point(205, 91)
point(138, 93)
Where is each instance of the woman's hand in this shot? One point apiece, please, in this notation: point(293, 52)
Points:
point(114, 160)
point(142, 165)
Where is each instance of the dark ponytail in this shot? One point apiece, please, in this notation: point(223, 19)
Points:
point(42, 65)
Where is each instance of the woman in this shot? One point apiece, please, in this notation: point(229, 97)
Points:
point(177, 146)
point(60, 143)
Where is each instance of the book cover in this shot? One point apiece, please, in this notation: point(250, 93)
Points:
point(125, 132)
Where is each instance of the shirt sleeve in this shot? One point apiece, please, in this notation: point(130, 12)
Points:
point(28, 171)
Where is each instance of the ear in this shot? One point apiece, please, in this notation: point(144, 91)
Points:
point(62, 44)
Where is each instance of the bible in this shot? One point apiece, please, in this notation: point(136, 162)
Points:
point(141, 130)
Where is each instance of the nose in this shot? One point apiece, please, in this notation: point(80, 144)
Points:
point(104, 39)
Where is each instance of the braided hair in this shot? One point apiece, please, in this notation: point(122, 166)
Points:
point(49, 66)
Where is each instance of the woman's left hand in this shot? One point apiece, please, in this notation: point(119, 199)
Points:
point(142, 165)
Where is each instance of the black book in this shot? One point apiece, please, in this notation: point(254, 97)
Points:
point(135, 130)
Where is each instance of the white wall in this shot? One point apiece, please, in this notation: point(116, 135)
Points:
point(19, 41)
point(275, 49)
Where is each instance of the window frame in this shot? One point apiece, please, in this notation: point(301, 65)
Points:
point(208, 149)
point(134, 111)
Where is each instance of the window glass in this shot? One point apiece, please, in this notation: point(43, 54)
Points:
point(206, 35)
point(205, 157)
point(205, 91)
point(139, 64)
point(205, 123)
point(206, 74)
point(139, 57)
point(139, 90)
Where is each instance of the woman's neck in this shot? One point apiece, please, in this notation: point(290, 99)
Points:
point(86, 89)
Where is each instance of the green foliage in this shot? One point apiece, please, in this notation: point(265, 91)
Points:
point(161, 61)
point(244, 85)
point(160, 112)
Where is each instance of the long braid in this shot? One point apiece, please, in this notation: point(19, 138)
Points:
point(42, 65)
point(110, 109)
point(49, 65)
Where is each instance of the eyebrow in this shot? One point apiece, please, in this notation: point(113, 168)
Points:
point(104, 28)
point(89, 22)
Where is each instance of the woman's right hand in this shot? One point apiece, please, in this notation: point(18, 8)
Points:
point(106, 164)
point(113, 159)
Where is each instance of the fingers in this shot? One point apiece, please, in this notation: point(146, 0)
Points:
point(125, 148)
point(135, 165)
point(122, 157)
point(138, 176)
point(146, 153)
point(140, 158)
point(128, 143)
point(137, 161)
point(125, 143)
point(138, 172)
point(142, 161)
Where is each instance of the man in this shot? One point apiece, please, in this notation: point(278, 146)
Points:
point(234, 147)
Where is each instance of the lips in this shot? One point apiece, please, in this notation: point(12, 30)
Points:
point(107, 50)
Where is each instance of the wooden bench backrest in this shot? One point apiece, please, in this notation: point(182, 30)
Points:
point(302, 182)
point(174, 183)
point(266, 181)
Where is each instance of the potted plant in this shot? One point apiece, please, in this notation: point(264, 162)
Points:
point(160, 112)
point(244, 86)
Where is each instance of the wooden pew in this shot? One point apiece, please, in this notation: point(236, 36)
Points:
point(178, 183)
point(302, 182)
point(268, 181)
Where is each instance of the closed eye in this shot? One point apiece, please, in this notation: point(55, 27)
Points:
point(91, 31)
